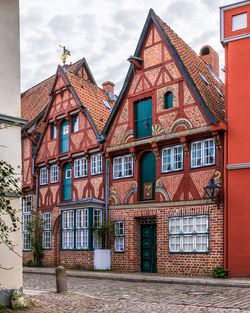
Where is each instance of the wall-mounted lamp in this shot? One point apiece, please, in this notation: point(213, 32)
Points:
point(212, 190)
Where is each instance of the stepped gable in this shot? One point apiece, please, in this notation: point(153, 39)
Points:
point(35, 99)
point(91, 97)
point(195, 65)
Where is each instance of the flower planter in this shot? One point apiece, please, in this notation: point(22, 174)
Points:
point(102, 259)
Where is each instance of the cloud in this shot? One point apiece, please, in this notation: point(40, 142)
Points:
point(105, 32)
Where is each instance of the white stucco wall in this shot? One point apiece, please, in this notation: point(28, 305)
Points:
point(10, 58)
point(10, 136)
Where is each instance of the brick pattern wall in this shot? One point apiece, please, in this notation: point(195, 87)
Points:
point(192, 264)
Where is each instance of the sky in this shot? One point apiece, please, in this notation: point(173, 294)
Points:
point(106, 33)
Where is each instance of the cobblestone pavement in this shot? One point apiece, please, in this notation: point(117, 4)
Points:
point(92, 295)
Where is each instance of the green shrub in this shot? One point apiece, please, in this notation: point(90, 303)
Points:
point(2, 307)
point(31, 263)
point(220, 272)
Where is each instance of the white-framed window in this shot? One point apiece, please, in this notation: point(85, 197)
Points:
point(189, 234)
point(68, 173)
point(80, 167)
point(26, 241)
point(75, 124)
point(123, 166)
point(77, 232)
point(43, 176)
point(203, 153)
point(65, 129)
point(53, 131)
point(68, 229)
point(54, 173)
point(172, 159)
point(97, 222)
point(239, 21)
point(47, 230)
point(119, 236)
point(82, 231)
point(27, 218)
point(96, 164)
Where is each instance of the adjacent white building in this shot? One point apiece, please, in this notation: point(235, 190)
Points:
point(10, 135)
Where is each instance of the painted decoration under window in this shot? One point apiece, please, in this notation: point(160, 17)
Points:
point(148, 191)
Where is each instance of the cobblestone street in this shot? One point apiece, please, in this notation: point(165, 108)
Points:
point(93, 295)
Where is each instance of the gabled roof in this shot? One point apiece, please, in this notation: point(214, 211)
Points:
point(194, 66)
point(91, 97)
point(189, 63)
point(35, 99)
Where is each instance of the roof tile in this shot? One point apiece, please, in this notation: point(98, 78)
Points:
point(195, 65)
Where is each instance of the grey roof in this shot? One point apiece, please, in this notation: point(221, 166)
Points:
point(82, 201)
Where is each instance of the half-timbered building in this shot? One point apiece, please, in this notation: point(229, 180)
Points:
point(164, 142)
point(63, 165)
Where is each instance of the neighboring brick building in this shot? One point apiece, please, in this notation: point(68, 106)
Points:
point(164, 144)
point(67, 175)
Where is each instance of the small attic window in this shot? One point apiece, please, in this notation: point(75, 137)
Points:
point(205, 51)
point(219, 92)
point(168, 99)
point(204, 79)
point(111, 95)
point(107, 105)
point(215, 76)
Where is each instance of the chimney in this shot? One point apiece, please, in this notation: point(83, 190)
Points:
point(211, 57)
point(108, 86)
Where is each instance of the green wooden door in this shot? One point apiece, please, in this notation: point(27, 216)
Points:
point(147, 175)
point(148, 248)
point(67, 182)
point(64, 136)
point(143, 118)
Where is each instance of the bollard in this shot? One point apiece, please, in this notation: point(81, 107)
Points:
point(61, 280)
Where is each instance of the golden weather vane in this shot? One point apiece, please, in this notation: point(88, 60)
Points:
point(65, 54)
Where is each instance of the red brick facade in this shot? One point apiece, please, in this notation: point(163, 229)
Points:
point(163, 64)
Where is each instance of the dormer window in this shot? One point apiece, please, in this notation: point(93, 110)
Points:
point(168, 99)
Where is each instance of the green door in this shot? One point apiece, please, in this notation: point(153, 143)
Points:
point(147, 176)
point(67, 182)
point(143, 118)
point(64, 136)
point(148, 248)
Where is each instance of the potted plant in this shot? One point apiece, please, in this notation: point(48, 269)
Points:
point(103, 234)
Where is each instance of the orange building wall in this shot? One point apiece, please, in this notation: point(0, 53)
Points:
point(237, 216)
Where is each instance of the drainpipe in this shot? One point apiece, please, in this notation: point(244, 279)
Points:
point(36, 178)
point(106, 201)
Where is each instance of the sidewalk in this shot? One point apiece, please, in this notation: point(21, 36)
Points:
point(149, 278)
